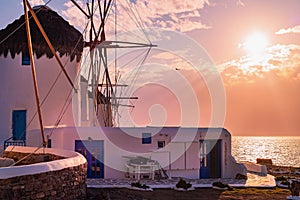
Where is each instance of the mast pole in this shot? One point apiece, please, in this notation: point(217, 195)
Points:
point(49, 43)
point(93, 63)
point(34, 72)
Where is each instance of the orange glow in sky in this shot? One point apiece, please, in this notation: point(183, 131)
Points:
point(256, 47)
point(254, 44)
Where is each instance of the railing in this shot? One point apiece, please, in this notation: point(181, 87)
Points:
point(10, 142)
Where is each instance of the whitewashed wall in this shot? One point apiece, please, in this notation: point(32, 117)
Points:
point(17, 91)
point(119, 143)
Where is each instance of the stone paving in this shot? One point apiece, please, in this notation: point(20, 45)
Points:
point(253, 180)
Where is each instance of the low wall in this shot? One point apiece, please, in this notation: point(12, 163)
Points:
point(256, 168)
point(27, 158)
point(188, 173)
point(235, 168)
point(59, 179)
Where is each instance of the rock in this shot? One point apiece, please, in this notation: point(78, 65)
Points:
point(16, 187)
point(39, 159)
point(44, 186)
point(264, 161)
point(6, 162)
point(40, 195)
point(295, 187)
point(241, 176)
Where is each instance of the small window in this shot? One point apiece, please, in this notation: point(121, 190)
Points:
point(25, 59)
point(49, 145)
point(161, 144)
point(146, 138)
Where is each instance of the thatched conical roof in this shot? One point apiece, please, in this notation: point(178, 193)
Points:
point(62, 35)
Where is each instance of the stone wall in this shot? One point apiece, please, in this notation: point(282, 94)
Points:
point(30, 158)
point(47, 173)
point(68, 183)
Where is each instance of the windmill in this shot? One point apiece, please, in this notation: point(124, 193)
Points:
point(97, 82)
point(100, 84)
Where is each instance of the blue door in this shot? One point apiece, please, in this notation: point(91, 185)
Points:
point(93, 151)
point(210, 158)
point(19, 124)
point(204, 159)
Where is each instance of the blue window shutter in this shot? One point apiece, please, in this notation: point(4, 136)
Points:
point(146, 138)
point(25, 59)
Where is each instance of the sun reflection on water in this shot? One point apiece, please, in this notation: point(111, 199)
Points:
point(283, 151)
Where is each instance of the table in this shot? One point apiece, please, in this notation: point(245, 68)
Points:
point(143, 168)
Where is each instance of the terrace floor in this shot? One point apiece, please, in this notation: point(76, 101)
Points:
point(253, 180)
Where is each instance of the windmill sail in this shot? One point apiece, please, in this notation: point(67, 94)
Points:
point(98, 80)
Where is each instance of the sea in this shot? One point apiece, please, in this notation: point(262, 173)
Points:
point(284, 151)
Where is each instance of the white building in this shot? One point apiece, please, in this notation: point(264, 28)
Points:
point(181, 152)
point(17, 99)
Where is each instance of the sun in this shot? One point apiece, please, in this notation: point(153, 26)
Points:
point(255, 43)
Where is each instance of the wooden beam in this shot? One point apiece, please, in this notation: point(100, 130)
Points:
point(33, 72)
point(114, 85)
point(123, 97)
point(49, 43)
point(76, 4)
point(124, 105)
point(115, 44)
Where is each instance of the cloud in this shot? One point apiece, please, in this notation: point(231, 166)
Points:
point(161, 7)
point(295, 29)
point(278, 61)
point(177, 15)
point(35, 2)
point(174, 14)
point(240, 3)
point(74, 15)
point(183, 25)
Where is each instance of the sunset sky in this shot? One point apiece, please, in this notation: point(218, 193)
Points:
point(254, 44)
